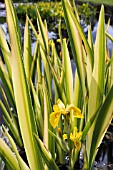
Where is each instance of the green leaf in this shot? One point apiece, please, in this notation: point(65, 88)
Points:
point(8, 155)
point(96, 90)
point(27, 50)
point(11, 125)
point(43, 31)
point(33, 28)
point(7, 84)
point(34, 61)
point(88, 63)
point(48, 140)
point(47, 70)
point(37, 109)
point(109, 36)
point(60, 142)
point(75, 40)
point(57, 83)
point(67, 72)
point(47, 157)
point(22, 164)
point(5, 51)
point(88, 126)
point(105, 116)
point(21, 91)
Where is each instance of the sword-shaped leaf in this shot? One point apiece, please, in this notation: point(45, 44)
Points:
point(27, 50)
point(21, 163)
point(76, 42)
point(67, 72)
point(12, 126)
point(7, 84)
point(96, 90)
point(43, 31)
point(105, 116)
point(21, 91)
point(47, 157)
point(5, 51)
point(9, 156)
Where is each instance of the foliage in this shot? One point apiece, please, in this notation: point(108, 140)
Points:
point(53, 12)
point(106, 2)
point(43, 98)
point(87, 13)
point(94, 77)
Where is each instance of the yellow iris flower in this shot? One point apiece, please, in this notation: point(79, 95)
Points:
point(75, 138)
point(65, 136)
point(77, 144)
point(61, 109)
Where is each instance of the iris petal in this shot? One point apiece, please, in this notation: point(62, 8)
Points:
point(75, 130)
point(56, 108)
point(75, 138)
point(54, 118)
point(77, 111)
point(78, 135)
point(65, 136)
point(77, 144)
point(60, 109)
point(72, 137)
point(60, 104)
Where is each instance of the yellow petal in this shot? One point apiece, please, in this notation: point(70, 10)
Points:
point(77, 111)
point(56, 108)
point(78, 135)
point(60, 104)
point(65, 136)
point(77, 144)
point(58, 40)
point(75, 130)
point(72, 137)
point(54, 118)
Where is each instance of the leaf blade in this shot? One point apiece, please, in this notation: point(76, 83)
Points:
point(21, 90)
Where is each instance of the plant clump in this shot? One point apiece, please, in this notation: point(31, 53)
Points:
point(53, 12)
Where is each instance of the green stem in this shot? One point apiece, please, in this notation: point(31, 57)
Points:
point(85, 166)
point(74, 156)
